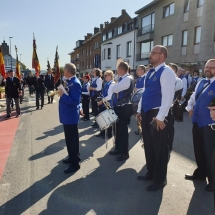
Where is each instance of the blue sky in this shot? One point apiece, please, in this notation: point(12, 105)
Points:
point(55, 23)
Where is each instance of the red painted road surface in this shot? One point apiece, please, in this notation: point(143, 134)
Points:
point(7, 134)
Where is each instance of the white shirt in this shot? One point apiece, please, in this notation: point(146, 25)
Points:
point(110, 92)
point(179, 84)
point(167, 82)
point(88, 85)
point(192, 100)
point(98, 83)
point(184, 80)
point(124, 84)
point(116, 78)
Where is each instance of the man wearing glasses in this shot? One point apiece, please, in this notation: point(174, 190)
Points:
point(154, 110)
point(203, 134)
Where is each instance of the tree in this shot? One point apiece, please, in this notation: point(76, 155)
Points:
point(23, 66)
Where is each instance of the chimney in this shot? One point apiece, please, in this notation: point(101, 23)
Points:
point(123, 11)
point(85, 37)
point(101, 27)
point(96, 30)
point(89, 35)
point(112, 19)
point(106, 24)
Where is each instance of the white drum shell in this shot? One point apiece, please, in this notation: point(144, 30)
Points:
point(106, 119)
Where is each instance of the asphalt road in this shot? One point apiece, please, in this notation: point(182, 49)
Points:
point(34, 183)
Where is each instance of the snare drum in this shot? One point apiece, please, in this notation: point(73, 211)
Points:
point(106, 118)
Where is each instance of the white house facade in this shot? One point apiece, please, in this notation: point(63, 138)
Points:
point(119, 43)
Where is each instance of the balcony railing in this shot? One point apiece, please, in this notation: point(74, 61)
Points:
point(146, 29)
point(143, 56)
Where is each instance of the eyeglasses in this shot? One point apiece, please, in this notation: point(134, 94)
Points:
point(206, 67)
point(153, 53)
point(106, 75)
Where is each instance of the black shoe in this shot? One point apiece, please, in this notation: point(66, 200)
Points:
point(17, 116)
point(66, 160)
point(144, 177)
point(193, 177)
point(100, 135)
point(137, 132)
point(122, 157)
point(7, 117)
point(37, 108)
point(154, 187)
point(71, 169)
point(20, 102)
point(48, 102)
point(209, 187)
point(41, 107)
point(114, 152)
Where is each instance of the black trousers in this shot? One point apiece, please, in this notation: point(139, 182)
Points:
point(95, 107)
point(204, 144)
point(72, 143)
point(121, 143)
point(85, 105)
point(40, 94)
point(22, 96)
point(8, 102)
point(31, 90)
point(156, 145)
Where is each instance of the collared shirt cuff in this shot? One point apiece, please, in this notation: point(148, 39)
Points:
point(160, 118)
point(188, 108)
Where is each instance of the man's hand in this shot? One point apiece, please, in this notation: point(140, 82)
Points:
point(190, 113)
point(100, 103)
point(20, 93)
point(60, 92)
point(160, 124)
point(91, 88)
point(212, 112)
point(81, 112)
point(139, 117)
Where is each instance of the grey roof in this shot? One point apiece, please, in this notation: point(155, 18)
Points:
point(147, 6)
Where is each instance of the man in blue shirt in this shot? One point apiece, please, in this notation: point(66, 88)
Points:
point(69, 106)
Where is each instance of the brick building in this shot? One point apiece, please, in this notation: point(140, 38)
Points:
point(186, 27)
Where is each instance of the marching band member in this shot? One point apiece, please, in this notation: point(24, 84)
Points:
point(176, 104)
point(195, 79)
point(141, 72)
point(95, 91)
point(121, 95)
point(179, 117)
point(23, 84)
point(154, 110)
point(86, 97)
point(140, 81)
point(49, 84)
point(40, 90)
point(107, 94)
point(69, 116)
point(203, 135)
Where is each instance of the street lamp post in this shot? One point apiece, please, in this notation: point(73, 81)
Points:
point(10, 51)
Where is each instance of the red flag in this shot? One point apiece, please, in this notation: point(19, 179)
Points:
point(18, 72)
point(35, 60)
point(2, 68)
point(56, 67)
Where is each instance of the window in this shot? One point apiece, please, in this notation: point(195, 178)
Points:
point(184, 38)
point(96, 45)
point(167, 40)
point(90, 63)
point(90, 49)
point(104, 54)
point(109, 53)
point(120, 30)
point(129, 49)
point(200, 3)
point(86, 64)
point(130, 26)
point(118, 51)
point(109, 34)
point(197, 35)
point(148, 23)
point(187, 6)
point(104, 37)
point(77, 56)
point(168, 10)
point(87, 50)
point(146, 49)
